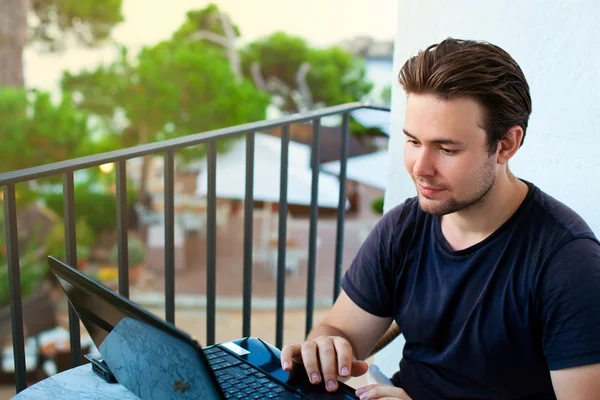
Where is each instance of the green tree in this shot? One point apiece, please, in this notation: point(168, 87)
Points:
point(35, 130)
point(386, 94)
point(282, 64)
point(50, 24)
point(208, 19)
point(172, 89)
point(211, 27)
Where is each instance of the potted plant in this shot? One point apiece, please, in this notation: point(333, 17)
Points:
point(84, 239)
point(136, 251)
point(38, 306)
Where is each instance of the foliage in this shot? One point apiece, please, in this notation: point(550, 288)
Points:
point(32, 272)
point(32, 268)
point(335, 76)
point(386, 95)
point(55, 241)
point(206, 19)
point(377, 205)
point(170, 90)
point(88, 21)
point(37, 131)
point(97, 208)
point(358, 129)
point(136, 252)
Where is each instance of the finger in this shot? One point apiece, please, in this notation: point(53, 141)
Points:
point(359, 368)
point(328, 361)
point(311, 361)
point(288, 353)
point(391, 398)
point(344, 356)
point(380, 391)
point(366, 388)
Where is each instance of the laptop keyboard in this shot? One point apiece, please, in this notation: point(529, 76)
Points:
point(239, 380)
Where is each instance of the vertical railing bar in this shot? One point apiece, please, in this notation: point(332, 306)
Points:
point(339, 239)
point(169, 188)
point(248, 216)
point(314, 210)
point(122, 223)
point(14, 285)
point(282, 236)
point(211, 243)
point(71, 253)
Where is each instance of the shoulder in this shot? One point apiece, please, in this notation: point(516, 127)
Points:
point(567, 245)
point(405, 212)
point(559, 216)
point(401, 218)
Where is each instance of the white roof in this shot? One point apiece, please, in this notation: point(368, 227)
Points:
point(369, 169)
point(231, 173)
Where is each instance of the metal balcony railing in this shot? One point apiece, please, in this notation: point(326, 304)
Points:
point(167, 148)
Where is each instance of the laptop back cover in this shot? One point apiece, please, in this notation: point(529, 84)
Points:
point(101, 310)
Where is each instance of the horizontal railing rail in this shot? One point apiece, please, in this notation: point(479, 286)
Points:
point(67, 168)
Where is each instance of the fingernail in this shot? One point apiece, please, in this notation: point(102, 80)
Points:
point(314, 377)
point(345, 371)
point(331, 385)
point(286, 365)
point(360, 391)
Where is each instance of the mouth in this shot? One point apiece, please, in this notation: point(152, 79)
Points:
point(428, 191)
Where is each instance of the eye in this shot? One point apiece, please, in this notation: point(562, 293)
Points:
point(413, 142)
point(448, 151)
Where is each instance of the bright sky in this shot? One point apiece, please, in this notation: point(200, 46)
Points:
point(321, 22)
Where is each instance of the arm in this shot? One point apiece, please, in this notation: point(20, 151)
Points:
point(569, 307)
point(578, 383)
point(359, 317)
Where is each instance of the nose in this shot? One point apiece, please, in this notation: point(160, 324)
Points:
point(424, 163)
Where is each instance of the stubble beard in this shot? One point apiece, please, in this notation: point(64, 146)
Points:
point(485, 183)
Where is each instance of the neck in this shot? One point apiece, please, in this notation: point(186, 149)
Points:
point(467, 227)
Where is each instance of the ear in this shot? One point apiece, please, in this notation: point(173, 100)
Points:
point(508, 146)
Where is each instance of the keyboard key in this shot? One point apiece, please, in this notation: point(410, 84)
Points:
point(210, 350)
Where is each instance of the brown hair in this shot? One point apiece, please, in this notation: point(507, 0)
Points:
point(466, 68)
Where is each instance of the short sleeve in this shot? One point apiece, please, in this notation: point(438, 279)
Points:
point(569, 305)
point(368, 282)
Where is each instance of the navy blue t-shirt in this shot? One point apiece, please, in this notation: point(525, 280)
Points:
point(489, 321)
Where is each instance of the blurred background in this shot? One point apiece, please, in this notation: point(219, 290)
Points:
point(81, 77)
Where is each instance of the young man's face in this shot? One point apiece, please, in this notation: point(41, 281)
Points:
point(445, 153)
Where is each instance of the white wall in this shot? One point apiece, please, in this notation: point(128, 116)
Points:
point(557, 44)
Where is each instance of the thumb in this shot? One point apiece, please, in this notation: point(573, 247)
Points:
point(359, 368)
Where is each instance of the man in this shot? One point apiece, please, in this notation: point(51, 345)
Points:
point(494, 284)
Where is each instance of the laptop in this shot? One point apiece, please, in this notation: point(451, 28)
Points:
point(154, 359)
